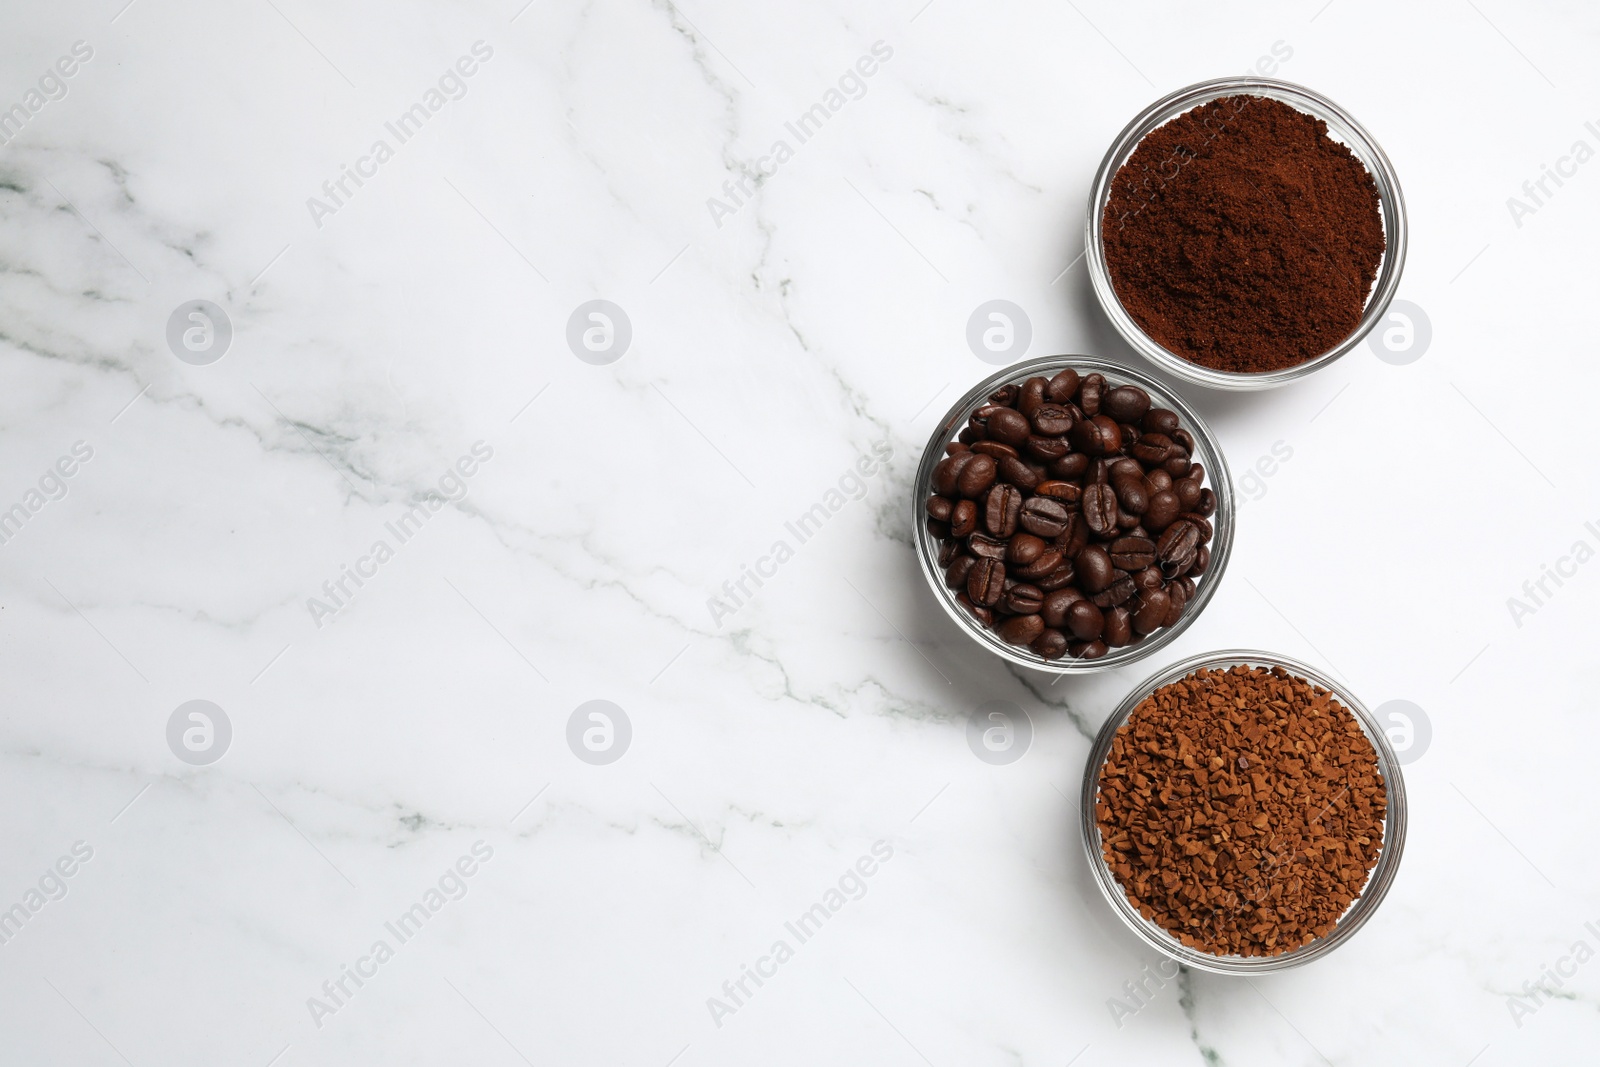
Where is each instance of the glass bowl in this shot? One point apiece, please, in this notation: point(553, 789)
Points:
point(1207, 451)
point(1360, 909)
point(1342, 128)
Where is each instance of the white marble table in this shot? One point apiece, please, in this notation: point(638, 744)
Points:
point(399, 532)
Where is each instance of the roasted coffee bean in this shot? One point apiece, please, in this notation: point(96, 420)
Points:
point(1184, 438)
point(1119, 628)
point(979, 612)
point(1023, 599)
point(1096, 436)
point(1017, 473)
point(994, 450)
point(976, 476)
point(1208, 503)
point(1132, 495)
point(1090, 392)
point(1158, 481)
point(938, 530)
point(963, 518)
point(1022, 630)
point(1150, 613)
point(1071, 540)
point(1118, 592)
point(1066, 492)
point(1132, 553)
point(1159, 420)
point(949, 551)
point(1126, 403)
point(1110, 433)
point(1047, 448)
point(1178, 599)
point(1200, 522)
point(1070, 467)
point(1177, 463)
point(1175, 551)
point(1045, 516)
point(1006, 394)
point(1202, 560)
point(1149, 578)
point(1030, 396)
point(1164, 508)
point(1152, 449)
point(1056, 604)
point(985, 547)
point(939, 507)
point(1095, 569)
point(1085, 621)
point(968, 435)
point(1123, 467)
point(955, 446)
point(1052, 420)
point(1052, 644)
point(1099, 508)
point(956, 576)
point(986, 582)
point(1058, 578)
point(1064, 386)
point(1125, 521)
point(1024, 549)
point(946, 471)
point(1047, 563)
point(1008, 426)
point(1001, 508)
point(1188, 491)
point(1086, 649)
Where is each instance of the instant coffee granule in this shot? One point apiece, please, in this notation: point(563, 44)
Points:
point(1241, 810)
point(1240, 236)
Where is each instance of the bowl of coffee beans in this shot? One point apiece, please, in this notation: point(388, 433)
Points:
point(1245, 232)
point(1243, 813)
point(1072, 514)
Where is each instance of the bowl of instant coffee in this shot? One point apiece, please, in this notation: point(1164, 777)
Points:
point(1245, 232)
point(1243, 813)
point(1072, 514)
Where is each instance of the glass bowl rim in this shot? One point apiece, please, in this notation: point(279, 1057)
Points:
point(1378, 881)
point(1218, 480)
point(1347, 130)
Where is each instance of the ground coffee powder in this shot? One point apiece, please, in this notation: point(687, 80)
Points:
point(1242, 237)
point(1241, 810)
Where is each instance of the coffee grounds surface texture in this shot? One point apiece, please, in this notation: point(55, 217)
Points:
point(1240, 236)
point(1241, 810)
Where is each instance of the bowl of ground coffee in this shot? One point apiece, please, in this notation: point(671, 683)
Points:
point(1072, 514)
point(1243, 813)
point(1245, 232)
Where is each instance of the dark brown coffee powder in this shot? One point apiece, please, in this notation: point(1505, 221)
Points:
point(1240, 236)
point(1241, 810)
